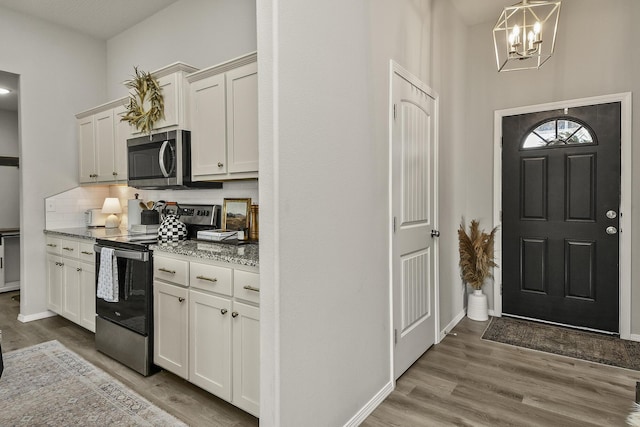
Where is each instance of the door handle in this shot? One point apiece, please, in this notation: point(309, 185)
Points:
point(611, 230)
point(435, 233)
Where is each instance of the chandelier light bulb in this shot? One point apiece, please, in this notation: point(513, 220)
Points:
point(537, 27)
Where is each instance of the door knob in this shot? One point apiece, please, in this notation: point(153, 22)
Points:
point(612, 230)
point(611, 214)
point(435, 233)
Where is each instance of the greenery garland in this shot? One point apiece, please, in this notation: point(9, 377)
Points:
point(146, 93)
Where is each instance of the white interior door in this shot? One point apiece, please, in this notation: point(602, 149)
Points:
point(413, 207)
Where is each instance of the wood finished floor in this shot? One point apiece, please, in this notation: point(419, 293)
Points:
point(185, 401)
point(466, 381)
point(463, 381)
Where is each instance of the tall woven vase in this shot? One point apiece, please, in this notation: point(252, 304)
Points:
point(477, 307)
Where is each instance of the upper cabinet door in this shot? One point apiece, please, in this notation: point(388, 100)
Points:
point(86, 145)
point(170, 95)
point(242, 118)
point(122, 132)
point(104, 146)
point(208, 136)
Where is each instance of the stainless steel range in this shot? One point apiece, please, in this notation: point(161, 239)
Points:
point(124, 328)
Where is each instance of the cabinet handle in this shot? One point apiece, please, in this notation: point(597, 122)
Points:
point(114, 173)
point(59, 264)
point(87, 253)
point(234, 314)
point(180, 299)
point(68, 249)
point(208, 279)
point(78, 269)
point(164, 270)
point(251, 288)
point(223, 311)
point(93, 175)
point(220, 164)
point(52, 245)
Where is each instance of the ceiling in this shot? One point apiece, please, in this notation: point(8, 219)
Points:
point(101, 19)
point(476, 12)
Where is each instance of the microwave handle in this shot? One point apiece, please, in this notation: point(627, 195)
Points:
point(163, 167)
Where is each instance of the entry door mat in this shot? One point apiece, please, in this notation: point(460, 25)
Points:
point(48, 384)
point(574, 343)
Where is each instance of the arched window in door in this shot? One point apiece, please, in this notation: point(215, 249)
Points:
point(558, 133)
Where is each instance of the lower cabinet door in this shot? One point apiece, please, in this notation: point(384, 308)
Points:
point(54, 283)
point(246, 357)
point(170, 326)
point(210, 343)
point(71, 290)
point(88, 295)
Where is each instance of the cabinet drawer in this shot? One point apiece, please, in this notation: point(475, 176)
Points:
point(70, 248)
point(210, 278)
point(54, 245)
point(171, 270)
point(246, 286)
point(86, 252)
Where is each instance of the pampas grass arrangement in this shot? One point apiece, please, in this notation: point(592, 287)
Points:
point(476, 254)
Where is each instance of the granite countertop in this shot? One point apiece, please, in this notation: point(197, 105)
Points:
point(244, 254)
point(87, 233)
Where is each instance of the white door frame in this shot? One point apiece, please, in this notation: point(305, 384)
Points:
point(625, 196)
point(396, 68)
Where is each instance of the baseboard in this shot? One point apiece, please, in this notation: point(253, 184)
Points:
point(36, 316)
point(11, 286)
point(371, 405)
point(493, 313)
point(634, 337)
point(452, 324)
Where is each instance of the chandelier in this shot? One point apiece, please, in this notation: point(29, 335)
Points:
point(518, 34)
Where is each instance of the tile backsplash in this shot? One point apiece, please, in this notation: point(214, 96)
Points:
point(66, 210)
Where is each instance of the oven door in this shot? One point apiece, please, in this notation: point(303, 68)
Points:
point(133, 310)
point(153, 161)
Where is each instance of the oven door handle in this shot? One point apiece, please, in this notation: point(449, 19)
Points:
point(120, 253)
point(163, 167)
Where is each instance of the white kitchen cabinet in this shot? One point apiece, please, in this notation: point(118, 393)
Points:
point(220, 337)
point(246, 357)
point(224, 120)
point(170, 328)
point(102, 141)
point(209, 343)
point(87, 277)
point(71, 280)
point(54, 283)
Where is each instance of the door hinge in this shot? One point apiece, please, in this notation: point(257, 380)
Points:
point(394, 224)
point(394, 111)
point(395, 336)
point(501, 141)
point(501, 286)
point(500, 216)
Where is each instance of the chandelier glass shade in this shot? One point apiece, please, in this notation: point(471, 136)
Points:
point(525, 34)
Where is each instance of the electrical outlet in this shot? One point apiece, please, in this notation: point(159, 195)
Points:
point(51, 205)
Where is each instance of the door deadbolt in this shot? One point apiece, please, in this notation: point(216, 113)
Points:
point(611, 214)
point(612, 230)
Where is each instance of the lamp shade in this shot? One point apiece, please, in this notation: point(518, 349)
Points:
point(111, 206)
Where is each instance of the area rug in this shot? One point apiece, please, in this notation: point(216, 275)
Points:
point(583, 345)
point(48, 384)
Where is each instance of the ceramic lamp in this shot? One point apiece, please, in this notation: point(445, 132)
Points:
point(111, 206)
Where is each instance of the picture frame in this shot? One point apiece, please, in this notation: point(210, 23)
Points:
point(235, 214)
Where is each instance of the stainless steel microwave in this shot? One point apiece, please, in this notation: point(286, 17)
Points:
point(162, 160)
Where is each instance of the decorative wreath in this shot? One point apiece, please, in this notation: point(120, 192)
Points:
point(146, 103)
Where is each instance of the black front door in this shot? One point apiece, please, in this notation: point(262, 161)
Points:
point(560, 218)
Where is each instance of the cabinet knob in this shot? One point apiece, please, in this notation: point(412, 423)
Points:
point(220, 164)
point(180, 299)
point(234, 314)
point(114, 173)
point(223, 311)
point(78, 269)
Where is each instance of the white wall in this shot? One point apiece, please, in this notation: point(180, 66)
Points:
point(324, 112)
point(449, 67)
point(9, 175)
point(596, 54)
point(200, 33)
point(61, 72)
